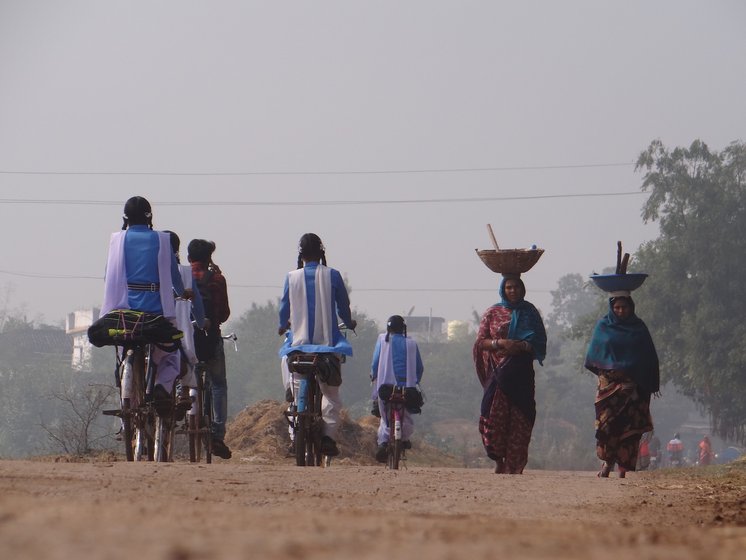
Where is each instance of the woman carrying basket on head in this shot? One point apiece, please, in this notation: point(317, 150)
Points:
point(622, 354)
point(511, 336)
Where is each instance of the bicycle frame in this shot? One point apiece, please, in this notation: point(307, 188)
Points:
point(395, 409)
point(200, 416)
point(306, 419)
point(146, 435)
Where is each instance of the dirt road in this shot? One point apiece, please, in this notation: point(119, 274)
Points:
point(235, 509)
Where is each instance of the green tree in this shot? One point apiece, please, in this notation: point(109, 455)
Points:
point(694, 299)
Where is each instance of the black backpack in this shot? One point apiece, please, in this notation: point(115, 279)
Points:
point(206, 342)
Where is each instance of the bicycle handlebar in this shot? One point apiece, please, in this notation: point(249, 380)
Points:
point(232, 336)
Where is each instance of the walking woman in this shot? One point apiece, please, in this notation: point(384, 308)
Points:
point(511, 336)
point(621, 353)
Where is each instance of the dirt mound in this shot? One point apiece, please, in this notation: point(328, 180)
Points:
point(259, 434)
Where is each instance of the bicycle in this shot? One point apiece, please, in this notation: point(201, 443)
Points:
point(200, 416)
point(305, 418)
point(395, 406)
point(147, 435)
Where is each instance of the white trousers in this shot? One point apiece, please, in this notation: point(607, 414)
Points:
point(331, 405)
point(168, 367)
point(384, 432)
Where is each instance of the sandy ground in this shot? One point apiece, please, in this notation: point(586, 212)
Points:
point(236, 509)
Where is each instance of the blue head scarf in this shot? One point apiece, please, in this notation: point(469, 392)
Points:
point(525, 322)
point(624, 345)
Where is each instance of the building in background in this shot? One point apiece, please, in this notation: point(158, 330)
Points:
point(76, 325)
point(426, 328)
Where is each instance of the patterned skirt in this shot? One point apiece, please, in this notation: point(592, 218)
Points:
point(622, 416)
point(505, 430)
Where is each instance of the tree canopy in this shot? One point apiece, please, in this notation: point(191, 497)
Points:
point(694, 300)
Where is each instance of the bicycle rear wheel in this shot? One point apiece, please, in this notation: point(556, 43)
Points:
point(193, 428)
point(164, 437)
point(302, 439)
point(136, 418)
point(395, 445)
point(316, 426)
point(129, 451)
point(144, 415)
point(144, 435)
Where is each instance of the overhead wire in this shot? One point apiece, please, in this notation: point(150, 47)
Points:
point(328, 172)
point(255, 286)
point(455, 200)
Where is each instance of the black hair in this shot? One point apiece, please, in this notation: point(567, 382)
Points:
point(395, 325)
point(175, 243)
point(137, 212)
point(310, 248)
point(515, 277)
point(200, 250)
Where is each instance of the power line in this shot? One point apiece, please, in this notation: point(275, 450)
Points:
point(50, 276)
point(285, 203)
point(262, 286)
point(310, 173)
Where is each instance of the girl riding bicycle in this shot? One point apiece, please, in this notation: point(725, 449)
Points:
point(312, 297)
point(396, 361)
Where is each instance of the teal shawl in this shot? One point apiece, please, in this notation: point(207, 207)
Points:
point(624, 345)
point(525, 323)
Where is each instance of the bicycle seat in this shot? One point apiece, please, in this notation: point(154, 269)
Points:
point(391, 393)
point(299, 362)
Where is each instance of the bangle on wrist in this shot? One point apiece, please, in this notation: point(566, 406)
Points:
point(494, 344)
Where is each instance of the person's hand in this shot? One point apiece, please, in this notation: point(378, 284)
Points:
point(207, 324)
point(188, 293)
point(353, 324)
point(283, 330)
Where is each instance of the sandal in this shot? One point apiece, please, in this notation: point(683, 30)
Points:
point(604, 472)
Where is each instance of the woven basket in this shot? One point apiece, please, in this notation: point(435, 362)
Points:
point(510, 261)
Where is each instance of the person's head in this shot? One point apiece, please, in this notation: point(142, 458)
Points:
point(310, 249)
point(175, 243)
point(623, 307)
point(512, 289)
point(200, 250)
point(137, 212)
point(395, 325)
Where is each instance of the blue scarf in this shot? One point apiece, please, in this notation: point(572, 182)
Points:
point(525, 323)
point(624, 345)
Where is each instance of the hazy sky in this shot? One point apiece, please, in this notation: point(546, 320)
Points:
point(394, 130)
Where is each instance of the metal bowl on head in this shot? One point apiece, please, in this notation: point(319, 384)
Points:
point(510, 261)
point(618, 282)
